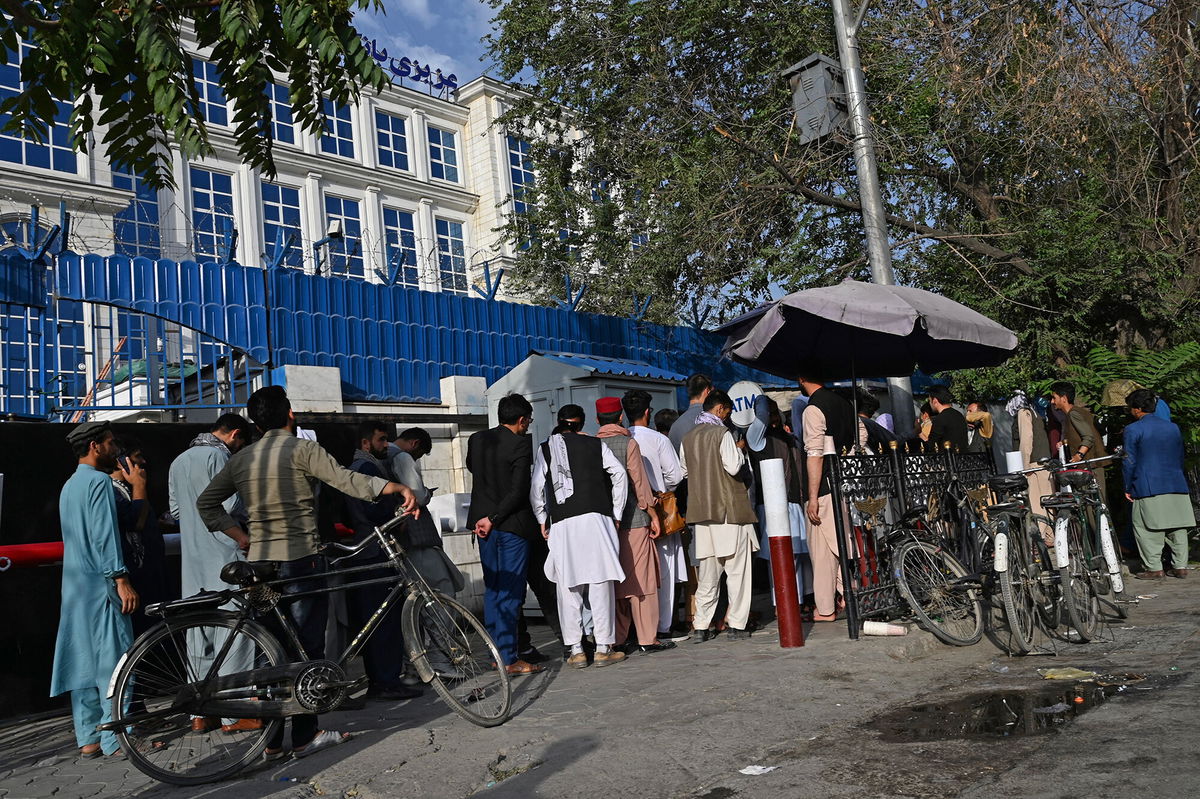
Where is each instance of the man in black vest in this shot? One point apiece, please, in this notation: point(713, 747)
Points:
point(578, 494)
point(499, 460)
point(829, 427)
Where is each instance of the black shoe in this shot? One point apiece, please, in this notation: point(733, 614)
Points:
point(532, 655)
point(734, 634)
point(700, 636)
point(628, 648)
point(393, 693)
point(660, 646)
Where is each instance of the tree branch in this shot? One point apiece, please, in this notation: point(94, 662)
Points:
point(972, 243)
point(21, 14)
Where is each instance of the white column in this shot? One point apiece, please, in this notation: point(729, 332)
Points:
point(418, 138)
point(374, 250)
point(364, 133)
point(427, 258)
point(175, 235)
point(249, 217)
point(313, 217)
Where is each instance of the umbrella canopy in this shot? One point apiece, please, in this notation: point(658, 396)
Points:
point(855, 328)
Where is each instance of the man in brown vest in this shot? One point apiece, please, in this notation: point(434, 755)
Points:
point(1084, 441)
point(719, 507)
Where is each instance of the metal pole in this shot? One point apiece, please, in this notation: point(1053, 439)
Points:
point(783, 560)
point(870, 197)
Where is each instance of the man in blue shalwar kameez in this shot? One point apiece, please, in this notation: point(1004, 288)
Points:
point(97, 596)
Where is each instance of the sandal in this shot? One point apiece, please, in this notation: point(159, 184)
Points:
point(323, 740)
point(93, 754)
point(271, 757)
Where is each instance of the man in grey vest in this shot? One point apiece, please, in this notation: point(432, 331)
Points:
point(637, 594)
point(719, 507)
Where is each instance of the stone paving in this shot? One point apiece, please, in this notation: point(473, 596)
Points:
point(679, 723)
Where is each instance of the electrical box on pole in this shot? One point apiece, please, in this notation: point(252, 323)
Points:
point(818, 97)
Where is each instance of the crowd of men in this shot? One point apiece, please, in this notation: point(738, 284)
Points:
point(578, 519)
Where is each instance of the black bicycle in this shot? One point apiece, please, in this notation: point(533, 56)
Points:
point(1085, 550)
point(211, 656)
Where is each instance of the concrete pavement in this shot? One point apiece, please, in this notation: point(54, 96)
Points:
point(682, 724)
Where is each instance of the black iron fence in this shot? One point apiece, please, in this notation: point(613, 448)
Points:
point(873, 493)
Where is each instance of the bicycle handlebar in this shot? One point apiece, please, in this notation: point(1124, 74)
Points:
point(350, 552)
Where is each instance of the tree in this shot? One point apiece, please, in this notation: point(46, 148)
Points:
point(123, 66)
point(1038, 159)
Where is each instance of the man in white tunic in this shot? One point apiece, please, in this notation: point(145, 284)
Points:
point(719, 507)
point(662, 467)
point(577, 492)
point(203, 552)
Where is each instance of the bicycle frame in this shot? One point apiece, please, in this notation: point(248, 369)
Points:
point(406, 581)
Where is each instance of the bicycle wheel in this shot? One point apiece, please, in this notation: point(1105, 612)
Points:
point(1047, 593)
point(150, 691)
point(467, 670)
point(1017, 590)
point(1080, 599)
point(931, 580)
point(1111, 566)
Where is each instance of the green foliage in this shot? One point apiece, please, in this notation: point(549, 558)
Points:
point(1031, 170)
point(126, 64)
point(1173, 374)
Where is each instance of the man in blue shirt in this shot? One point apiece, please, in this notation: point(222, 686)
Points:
point(97, 594)
point(1156, 485)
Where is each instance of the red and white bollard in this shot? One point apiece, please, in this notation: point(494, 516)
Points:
point(783, 562)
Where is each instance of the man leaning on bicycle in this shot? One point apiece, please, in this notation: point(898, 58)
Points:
point(275, 477)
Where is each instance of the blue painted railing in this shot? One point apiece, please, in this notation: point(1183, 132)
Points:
point(390, 343)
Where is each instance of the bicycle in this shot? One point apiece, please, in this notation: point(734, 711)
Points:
point(1086, 556)
point(1021, 561)
point(202, 661)
point(943, 596)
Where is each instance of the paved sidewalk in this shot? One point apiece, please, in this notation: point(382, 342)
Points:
point(678, 723)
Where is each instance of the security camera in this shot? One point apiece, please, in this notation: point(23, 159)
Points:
point(334, 231)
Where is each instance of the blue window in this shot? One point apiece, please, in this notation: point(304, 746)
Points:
point(344, 255)
point(639, 240)
point(338, 137)
point(136, 227)
point(213, 106)
point(520, 169)
point(443, 158)
point(281, 113)
point(212, 210)
point(53, 153)
point(281, 212)
point(569, 236)
point(400, 247)
point(452, 258)
point(393, 140)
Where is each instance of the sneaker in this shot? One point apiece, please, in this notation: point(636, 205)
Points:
point(607, 658)
point(675, 638)
point(700, 636)
point(659, 646)
point(734, 634)
point(323, 740)
point(578, 660)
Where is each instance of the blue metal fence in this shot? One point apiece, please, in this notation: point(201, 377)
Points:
point(390, 343)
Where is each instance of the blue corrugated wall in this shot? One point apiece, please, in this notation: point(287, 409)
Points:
point(390, 343)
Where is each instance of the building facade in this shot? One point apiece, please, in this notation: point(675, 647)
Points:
point(419, 182)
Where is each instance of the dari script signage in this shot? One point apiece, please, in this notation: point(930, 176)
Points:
point(403, 69)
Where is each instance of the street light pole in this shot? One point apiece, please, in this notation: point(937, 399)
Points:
point(870, 196)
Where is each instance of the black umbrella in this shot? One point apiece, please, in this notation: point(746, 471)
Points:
point(856, 328)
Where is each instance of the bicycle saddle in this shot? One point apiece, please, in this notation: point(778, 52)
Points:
point(1004, 484)
point(243, 573)
point(1075, 478)
point(914, 515)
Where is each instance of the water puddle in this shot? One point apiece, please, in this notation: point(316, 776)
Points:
point(1040, 709)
